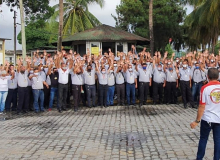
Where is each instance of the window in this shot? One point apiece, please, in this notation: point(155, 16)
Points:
point(120, 47)
point(1, 47)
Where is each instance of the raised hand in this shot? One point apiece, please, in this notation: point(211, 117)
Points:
point(6, 63)
point(48, 61)
point(177, 71)
point(35, 60)
point(18, 61)
point(26, 59)
point(45, 53)
point(165, 54)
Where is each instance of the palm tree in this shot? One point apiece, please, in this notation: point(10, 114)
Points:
point(151, 26)
point(76, 16)
point(204, 23)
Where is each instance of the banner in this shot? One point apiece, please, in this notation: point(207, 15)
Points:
point(95, 51)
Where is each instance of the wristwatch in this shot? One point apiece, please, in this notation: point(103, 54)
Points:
point(197, 121)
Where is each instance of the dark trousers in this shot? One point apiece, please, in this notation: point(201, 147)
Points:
point(11, 98)
point(23, 99)
point(46, 96)
point(103, 89)
point(91, 92)
point(69, 92)
point(205, 129)
point(186, 92)
point(143, 91)
point(62, 93)
point(171, 92)
point(31, 99)
point(76, 91)
point(165, 97)
point(120, 89)
point(83, 95)
point(157, 88)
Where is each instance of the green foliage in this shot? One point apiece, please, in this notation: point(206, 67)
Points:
point(37, 35)
point(170, 50)
point(77, 17)
point(203, 25)
point(33, 8)
point(217, 48)
point(133, 16)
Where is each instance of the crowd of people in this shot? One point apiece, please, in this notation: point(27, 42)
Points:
point(33, 84)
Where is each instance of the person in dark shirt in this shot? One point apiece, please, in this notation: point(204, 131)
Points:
point(54, 76)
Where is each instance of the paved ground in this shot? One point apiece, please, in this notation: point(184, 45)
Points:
point(160, 132)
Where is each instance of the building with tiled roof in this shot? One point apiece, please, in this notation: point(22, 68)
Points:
point(103, 37)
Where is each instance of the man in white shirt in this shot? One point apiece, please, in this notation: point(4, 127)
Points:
point(209, 114)
point(63, 71)
point(12, 92)
point(4, 88)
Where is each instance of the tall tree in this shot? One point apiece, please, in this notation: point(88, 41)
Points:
point(76, 16)
point(151, 26)
point(37, 35)
point(60, 25)
point(32, 8)
point(203, 24)
point(133, 16)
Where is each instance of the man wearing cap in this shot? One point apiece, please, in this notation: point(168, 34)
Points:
point(63, 80)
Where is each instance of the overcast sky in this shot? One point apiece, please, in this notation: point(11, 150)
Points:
point(6, 19)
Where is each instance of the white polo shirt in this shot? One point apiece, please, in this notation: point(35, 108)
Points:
point(63, 76)
point(4, 83)
point(210, 97)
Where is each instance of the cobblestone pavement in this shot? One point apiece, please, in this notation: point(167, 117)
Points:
point(160, 132)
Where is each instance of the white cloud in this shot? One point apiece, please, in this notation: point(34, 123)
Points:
point(7, 26)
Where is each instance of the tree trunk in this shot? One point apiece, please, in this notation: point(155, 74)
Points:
point(59, 44)
point(23, 37)
point(151, 27)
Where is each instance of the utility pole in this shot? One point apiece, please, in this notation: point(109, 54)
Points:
point(59, 44)
point(22, 30)
point(14, 37)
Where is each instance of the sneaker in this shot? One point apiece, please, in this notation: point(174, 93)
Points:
point(49, 109)
point(1, 112)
